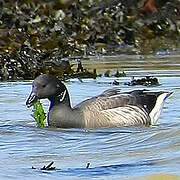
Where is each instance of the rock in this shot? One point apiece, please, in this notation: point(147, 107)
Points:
point(147, 81)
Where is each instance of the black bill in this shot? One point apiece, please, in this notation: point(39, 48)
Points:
point(31, 99)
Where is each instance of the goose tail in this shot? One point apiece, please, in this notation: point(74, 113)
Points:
point(156, 111)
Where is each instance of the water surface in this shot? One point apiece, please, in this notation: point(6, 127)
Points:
point(115, 153)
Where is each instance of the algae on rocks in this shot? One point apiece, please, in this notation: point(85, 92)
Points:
point(33, 32)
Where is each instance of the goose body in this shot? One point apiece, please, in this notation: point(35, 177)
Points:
point(112, 108)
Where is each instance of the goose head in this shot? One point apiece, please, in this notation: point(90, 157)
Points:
point(48, 86)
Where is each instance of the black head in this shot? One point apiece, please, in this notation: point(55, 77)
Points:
point(47, 86)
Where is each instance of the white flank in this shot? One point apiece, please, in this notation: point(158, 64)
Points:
point(155, 113)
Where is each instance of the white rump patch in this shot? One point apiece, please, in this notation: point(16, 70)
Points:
point(155, 113)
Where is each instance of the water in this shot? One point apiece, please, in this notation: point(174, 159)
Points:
point(113, 153)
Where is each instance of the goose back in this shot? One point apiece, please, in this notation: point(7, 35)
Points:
point(114, 108)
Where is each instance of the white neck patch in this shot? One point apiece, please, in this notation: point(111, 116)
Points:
point(62, 96)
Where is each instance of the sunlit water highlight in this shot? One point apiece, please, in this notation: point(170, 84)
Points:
point(115, 153)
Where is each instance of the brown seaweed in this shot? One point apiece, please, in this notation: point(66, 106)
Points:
point(35, 32)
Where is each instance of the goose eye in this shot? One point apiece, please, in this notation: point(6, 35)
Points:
point(44, 85)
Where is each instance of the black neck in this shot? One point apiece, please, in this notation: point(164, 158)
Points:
point(61, 97)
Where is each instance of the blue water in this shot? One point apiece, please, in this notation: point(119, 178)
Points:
point(113, 153)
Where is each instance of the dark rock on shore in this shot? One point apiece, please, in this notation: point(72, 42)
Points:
point(147, 81)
